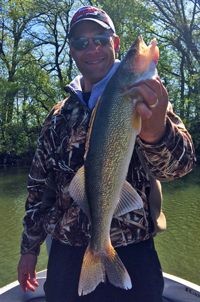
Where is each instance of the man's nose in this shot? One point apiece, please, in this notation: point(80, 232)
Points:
point(92, 47)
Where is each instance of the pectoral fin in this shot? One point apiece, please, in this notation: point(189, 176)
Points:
point(77, 191)
point(133, 95)
point(129, 200)
point(137, 122)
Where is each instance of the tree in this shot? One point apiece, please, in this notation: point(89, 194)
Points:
point(35, 62)
point(53, 38)
point(16, 17)
point(178, 27)
point(131, 19)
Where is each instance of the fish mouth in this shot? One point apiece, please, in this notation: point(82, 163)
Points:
point(147, 56)
point(155, 50)
point(150, 52)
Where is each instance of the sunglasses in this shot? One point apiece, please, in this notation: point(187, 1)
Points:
point(98, 40)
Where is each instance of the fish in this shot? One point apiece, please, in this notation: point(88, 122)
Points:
point(99, 187)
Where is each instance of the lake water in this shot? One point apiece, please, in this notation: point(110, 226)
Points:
point(178, 247)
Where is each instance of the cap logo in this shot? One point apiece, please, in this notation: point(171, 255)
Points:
point(94, 14)
point(83, 13)
point(106, 17)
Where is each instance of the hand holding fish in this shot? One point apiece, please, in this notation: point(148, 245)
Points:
point(151, 92)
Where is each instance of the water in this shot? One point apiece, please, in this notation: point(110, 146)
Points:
point(178, 247)
point(13, 182)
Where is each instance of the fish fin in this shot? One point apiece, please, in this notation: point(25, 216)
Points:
point(115, 270)
point(129, 200)
point(77, 191)
point(137, 122)
point(92, 273)
point(132, 94)
point(94, 268)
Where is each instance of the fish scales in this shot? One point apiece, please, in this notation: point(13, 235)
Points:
point(108, 142)
point(100, 186)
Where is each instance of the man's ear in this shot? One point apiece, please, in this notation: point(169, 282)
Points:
point(116, 44)
point(71, 51)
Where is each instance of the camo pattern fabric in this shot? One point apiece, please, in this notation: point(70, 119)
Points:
point(60, 153)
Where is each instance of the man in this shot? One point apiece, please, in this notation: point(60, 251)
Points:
point(163, 151)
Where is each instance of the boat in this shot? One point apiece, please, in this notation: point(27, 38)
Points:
point(13, 292)
point(175, 290)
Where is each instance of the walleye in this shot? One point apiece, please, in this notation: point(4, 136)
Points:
point(100, 187)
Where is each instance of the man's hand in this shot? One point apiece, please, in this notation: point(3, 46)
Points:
point(27, 273)
point(153, 119)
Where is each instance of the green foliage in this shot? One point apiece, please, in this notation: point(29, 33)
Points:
point(18, 141)
point(177, 27)
point(131, 19)
point(35, 62)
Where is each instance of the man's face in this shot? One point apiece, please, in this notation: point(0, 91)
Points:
point(94, 62)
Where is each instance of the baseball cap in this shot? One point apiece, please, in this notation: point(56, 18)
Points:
point(91, 13)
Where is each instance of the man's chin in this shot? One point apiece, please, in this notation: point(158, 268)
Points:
point(95, 78)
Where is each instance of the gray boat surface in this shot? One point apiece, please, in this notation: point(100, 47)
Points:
point(175, 290)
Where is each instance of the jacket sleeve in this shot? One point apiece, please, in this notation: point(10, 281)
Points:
point(174, 155)
point(34, 234)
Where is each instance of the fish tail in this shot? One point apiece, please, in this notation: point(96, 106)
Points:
point(94, 268)
point(92, 272)
point(116, 271)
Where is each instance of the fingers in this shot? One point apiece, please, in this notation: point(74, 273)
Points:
point(31, 284)
point(156, 91)
point(149, 95)
point(27, 273)
point(151, 104)
point(32, 280)
point(143, 110)
point(26, 282)
point(152, 90)
point(153, 118)
point(22, 280)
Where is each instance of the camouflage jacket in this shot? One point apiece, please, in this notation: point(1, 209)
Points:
point(60, 153)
